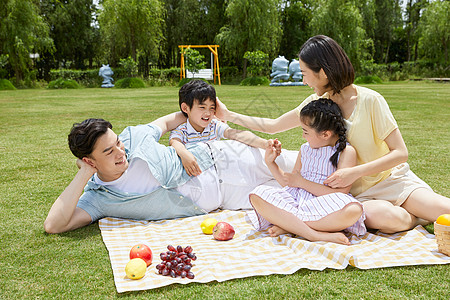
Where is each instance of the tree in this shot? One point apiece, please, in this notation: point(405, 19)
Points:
point(22, 32)
point(130, 66)
point(71, 30)
point(295, 19)
point(413, 13)
point(194, 60)
point(381, 19)
point(342, 21)
point(214, 18)
point(435, 34)
point(388, 16)
point(250, 26)
point(259, 62)
point(184, 26)
point(189, 22)
point(131, 26)
point(3, 63)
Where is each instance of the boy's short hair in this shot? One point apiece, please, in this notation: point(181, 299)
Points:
point(82, 136)
point(196, 90)
point(322, 52)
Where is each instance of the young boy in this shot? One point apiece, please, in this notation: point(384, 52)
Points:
point(198, 103)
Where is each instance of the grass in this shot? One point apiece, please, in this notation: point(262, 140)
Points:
point(36, 165)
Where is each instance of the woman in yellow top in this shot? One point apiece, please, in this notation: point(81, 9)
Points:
point(394, 198)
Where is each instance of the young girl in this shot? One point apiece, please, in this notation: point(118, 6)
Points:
point(305, 206)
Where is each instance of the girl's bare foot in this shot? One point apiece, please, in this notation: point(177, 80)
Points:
point(334, 237)
point(275, 231)
point(423, 222)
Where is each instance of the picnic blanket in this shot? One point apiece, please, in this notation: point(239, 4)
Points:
point(253, 253)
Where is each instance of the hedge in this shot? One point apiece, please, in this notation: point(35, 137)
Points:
point(63, 84)
point(130, 82)
point(88, 78)
point(5, 84)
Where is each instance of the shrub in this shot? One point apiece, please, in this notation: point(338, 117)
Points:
point(130, 66)
point(229, 71)
point(257, 80)
point(163, 77)
point(63, 84)
point(5, 84)
point(88, 78)
point(230, 74)
point(194, 60)
point(130, 82)
point(259, 62)
point(368, 79)
point(172, 73)
point(401, 71)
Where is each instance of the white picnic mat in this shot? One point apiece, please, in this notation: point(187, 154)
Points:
point(253, 253)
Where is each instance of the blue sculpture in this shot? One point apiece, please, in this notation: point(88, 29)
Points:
point(279, 69)
point(106, 72)
point(280, 72)
point(294, 70)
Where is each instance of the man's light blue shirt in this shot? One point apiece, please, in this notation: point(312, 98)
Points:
point(163, 203)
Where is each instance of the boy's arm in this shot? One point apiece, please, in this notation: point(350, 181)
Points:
point(64, 215)
point(187, 158)
point(246, 137)
point(170, 121)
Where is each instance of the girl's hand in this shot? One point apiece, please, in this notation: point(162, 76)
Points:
point(276, 144)
point(341, 178)
point(273, 150)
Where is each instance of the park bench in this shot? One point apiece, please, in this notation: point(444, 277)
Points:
point(207, 74)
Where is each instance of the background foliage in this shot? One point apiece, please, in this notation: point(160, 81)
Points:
point(396, 39)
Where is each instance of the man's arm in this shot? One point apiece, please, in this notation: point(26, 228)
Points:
point(64, 214)
point(246, 137)
point(170, 121)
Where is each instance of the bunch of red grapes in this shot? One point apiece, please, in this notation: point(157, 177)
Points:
point(177, 262)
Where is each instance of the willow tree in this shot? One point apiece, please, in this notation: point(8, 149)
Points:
point(71, 29)
point(250, 26)
point(435, 34)
point(342, 21)
point(22, 32)
point(295, 19)
point(131, 26)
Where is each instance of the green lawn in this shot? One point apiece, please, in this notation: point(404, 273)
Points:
point(36, 165)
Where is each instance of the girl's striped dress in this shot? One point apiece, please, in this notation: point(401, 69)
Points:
point(316, 167)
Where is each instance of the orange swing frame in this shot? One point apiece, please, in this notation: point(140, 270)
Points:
point(214, 51)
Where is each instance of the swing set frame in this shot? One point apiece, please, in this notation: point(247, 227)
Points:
point(215, 63)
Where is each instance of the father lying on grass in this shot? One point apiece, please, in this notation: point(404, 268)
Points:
point(133, 176)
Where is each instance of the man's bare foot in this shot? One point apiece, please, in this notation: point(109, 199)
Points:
point(275, 231)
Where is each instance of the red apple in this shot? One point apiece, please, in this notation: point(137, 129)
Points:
point(142, 251)
point(223, 231)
